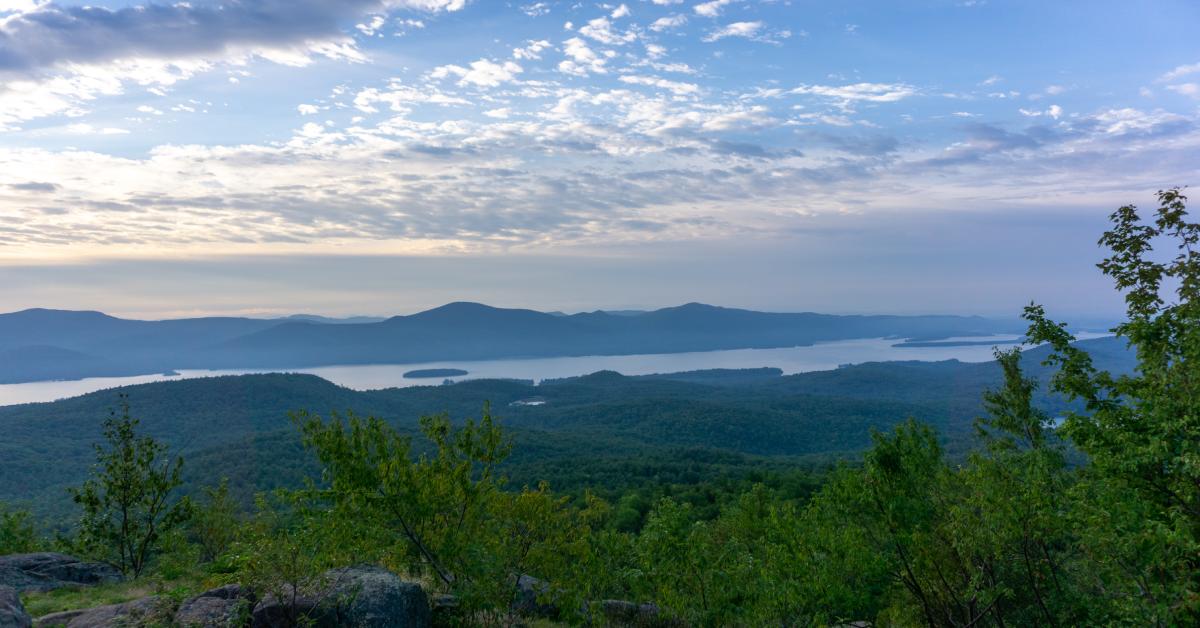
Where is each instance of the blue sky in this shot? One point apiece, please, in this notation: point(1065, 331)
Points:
point(370, 156)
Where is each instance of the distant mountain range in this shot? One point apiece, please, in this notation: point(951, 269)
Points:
point(41, 344)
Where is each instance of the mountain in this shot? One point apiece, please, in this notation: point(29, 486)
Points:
point(325, 320)
point(238, 426)
point(54, 344)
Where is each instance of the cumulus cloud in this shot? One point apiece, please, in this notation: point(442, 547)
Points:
point(481, 73)
point(668, 22)
point(712, 8)
point(581, 59)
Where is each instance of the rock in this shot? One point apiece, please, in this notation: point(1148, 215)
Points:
point(529, 590)
point(46, 571)
point(366, 597)
point(289, 609)
point(12, 612)
point(146, 611)
point(224, 606)
point(445, 610)
point(373, 597)
point(56, 620)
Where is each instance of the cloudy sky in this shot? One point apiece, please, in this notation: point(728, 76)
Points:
point(383, 156)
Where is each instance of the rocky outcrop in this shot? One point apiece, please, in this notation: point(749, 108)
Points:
point(12, 612)
point(366, 597)
point(46, 571)
point(146, 611)
point(224, 607)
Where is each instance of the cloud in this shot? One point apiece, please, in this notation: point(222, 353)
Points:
point(1180, 72)
point(52, 36)
point(668, 23)
point(713, 8)
point(675, 87)
point(601, 30)
point(1186, 89)
point(748, 30)
point(1053, 112)
point(867, 92)
point(34, 186)
point(481, 73)
point(581, 59)
point(532, 50)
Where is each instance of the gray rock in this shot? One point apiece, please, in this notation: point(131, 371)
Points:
point(366, 597)
point(372, 597)
point(46, 571)
point(56, 620)
point(146, 611)
point(12, 612)
point(532, 599)
point(287, 609)
point(224, 606)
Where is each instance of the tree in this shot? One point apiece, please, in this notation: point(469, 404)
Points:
point(128, 503)
point(1141, 432)
point(17, 535)
point(214, 523)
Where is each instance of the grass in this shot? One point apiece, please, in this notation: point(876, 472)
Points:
point(39, 604)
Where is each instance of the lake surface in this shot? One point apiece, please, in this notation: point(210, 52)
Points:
point(819, 357)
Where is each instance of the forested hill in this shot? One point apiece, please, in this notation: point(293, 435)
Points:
point(51, 344)
point(577, 431)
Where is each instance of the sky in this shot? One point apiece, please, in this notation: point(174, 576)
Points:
point(263, 157)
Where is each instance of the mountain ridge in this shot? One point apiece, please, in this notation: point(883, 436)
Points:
point(103, 345)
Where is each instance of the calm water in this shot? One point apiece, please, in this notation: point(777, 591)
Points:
point(819, 357)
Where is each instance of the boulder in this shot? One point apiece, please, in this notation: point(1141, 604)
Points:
point(56, 620)
point(12, 612)
point(146, 611)
point(366, 597)
point(373, 597)
point(289, 608)
point(532, 599)
point(45, 571)
point(225, 606)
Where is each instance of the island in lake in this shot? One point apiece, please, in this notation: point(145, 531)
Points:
point(430, 373)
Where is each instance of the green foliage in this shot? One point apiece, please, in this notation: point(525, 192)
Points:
point(284, 552)
point(1140, 498)
point(215, 523)
point(128, 504)
point(442, 513)
point(17, 534)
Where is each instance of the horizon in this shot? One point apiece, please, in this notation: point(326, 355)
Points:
point(379, 317)
point(222, 158)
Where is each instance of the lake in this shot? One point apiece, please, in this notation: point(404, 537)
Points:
point(819, 357)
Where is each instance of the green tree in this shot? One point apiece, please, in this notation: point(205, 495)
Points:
point(17, 534)
point(1140, 501)
point(215, 523)
point(128, 503)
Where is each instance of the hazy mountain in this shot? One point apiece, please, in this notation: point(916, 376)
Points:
point(97, 344)
point(349, 320)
